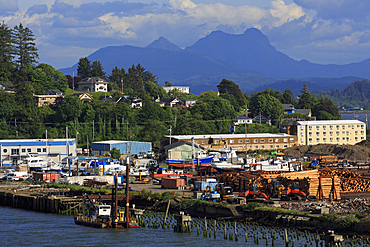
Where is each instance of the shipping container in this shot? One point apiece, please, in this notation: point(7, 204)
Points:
point(45, 176)
point(172, 183)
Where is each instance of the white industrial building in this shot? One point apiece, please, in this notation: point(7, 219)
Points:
point(13, 151)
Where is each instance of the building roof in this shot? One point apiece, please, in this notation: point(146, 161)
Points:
point(329, 122)
point(303, 111)
point(114, 99)
point(53, 92)
point(93, 80)
point(228, 136)
point(180, 143)
point(117, 141)
point(288, 107)
point(243, 116)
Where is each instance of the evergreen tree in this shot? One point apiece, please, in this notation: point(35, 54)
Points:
point(6, 51)
point(25, 50)
point(97, 70)
point(84, 67)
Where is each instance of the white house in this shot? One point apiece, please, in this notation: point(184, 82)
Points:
point(92, 84)
point(243, 119)
point(180, 88)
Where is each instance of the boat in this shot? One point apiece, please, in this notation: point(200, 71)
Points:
point(275, 165)
point(35, 163)
point(204, 160)
point(227, 159)
point(139, 171)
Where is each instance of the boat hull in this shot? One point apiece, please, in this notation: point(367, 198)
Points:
point(206, 161)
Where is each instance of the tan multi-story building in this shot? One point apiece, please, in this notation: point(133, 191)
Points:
point(238, 142)
point(338, 132)
point(42, 100)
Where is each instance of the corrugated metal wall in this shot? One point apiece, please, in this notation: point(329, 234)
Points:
point(123, 146)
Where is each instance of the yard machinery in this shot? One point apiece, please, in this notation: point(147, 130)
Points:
point(253, 194)
point(226, 192)
point(293, 193)
point(274, 189)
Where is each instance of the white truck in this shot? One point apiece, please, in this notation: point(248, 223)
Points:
point(16, 176)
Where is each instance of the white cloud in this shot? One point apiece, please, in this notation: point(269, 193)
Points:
point(182, 4)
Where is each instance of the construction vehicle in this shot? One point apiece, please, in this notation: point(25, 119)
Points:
point(226, 192)
point(293, 193)
point(314, 164)
point(274, 189)
point(253, 194)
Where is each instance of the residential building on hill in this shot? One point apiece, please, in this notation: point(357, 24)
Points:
point(42, 100)
point(83, 96)
point(243, 119)
point(92, 84)
point(180, 88)
point(339, 132)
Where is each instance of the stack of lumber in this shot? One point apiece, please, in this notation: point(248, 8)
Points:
point(338, 172)
point(327, 187)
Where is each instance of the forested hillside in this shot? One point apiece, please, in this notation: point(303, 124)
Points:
point(105, 119)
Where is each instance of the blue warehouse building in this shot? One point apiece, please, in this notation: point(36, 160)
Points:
point(14, 151)
point(99, 148)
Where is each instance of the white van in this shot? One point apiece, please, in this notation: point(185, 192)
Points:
point(16, 176)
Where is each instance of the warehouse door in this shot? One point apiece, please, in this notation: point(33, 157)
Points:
point(175, 155)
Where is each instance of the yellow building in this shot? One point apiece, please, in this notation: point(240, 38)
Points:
point(42, 100)
point(340, 132)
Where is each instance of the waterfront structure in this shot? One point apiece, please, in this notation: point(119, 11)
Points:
point(338, 132)
point(92, 84)
point(13, 151)
point(238, 142)
point(182, 150)
point(180, 88)
point(125, 147)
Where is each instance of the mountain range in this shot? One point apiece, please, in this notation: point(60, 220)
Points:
point(248, 59)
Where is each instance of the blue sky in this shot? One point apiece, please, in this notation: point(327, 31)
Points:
point(321, 31)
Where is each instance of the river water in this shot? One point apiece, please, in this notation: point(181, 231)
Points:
point(27, 228)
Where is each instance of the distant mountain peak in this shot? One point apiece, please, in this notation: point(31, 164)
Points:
point(164, 44)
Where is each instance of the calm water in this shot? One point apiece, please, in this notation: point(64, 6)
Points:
point(27, 228)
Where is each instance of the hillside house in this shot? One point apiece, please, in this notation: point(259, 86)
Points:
point(243, 119)
point(179, 88)
point(92, 84)
point(262, 119)
point(44, 100)
point(84, 96)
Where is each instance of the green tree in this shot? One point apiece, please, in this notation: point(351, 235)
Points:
point(326, 110)
point(266, 104)
point(6, 51)
point(25, 50)
point(97, 70)
point(84, 67)
point(288, 98)
point(229, 87)
point(115, 153)
point(306, 100)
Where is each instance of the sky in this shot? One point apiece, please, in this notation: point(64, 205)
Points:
point(320, 31)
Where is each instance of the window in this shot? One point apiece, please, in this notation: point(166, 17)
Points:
point(44, 149)
point(362, 125)
point(337, 126)
point(343, 138)
point(343, 126)
point(262, 147)
point(262, 140)
point(247, 141)
point(271, 140)
point(331, 126)
point(356, 138)
point(285, 146)
point(324, 127)
point(356, 132)
point(317, 139)
point(202, 143)
point(310, 128)
point(23, 150)
point(310, 139)
point(302, 133)
point(292, 139)
point(217, 141)
point(331, 133)
point(337, 132)
point(347, 138)
point(362, 132)
point(324, 139)
point(277, 140)
point(362, 138)
point(302, 127)
point(255, 140)
point(343, 132)
point(40, 148)
point(338, 138)
point(5, 150)
point(285, 139)
point(240, 141)
point(231, 141)
point(29, 150)
point(277, 146)
point(317, 127)
point(317, 133)
point(271, 146)
point(302, 140)
point(15, 151)
point(310, 133)
point(324, 133)
point(331, 139)
point(347, 132)
point(43, 98)
point(255, 147)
